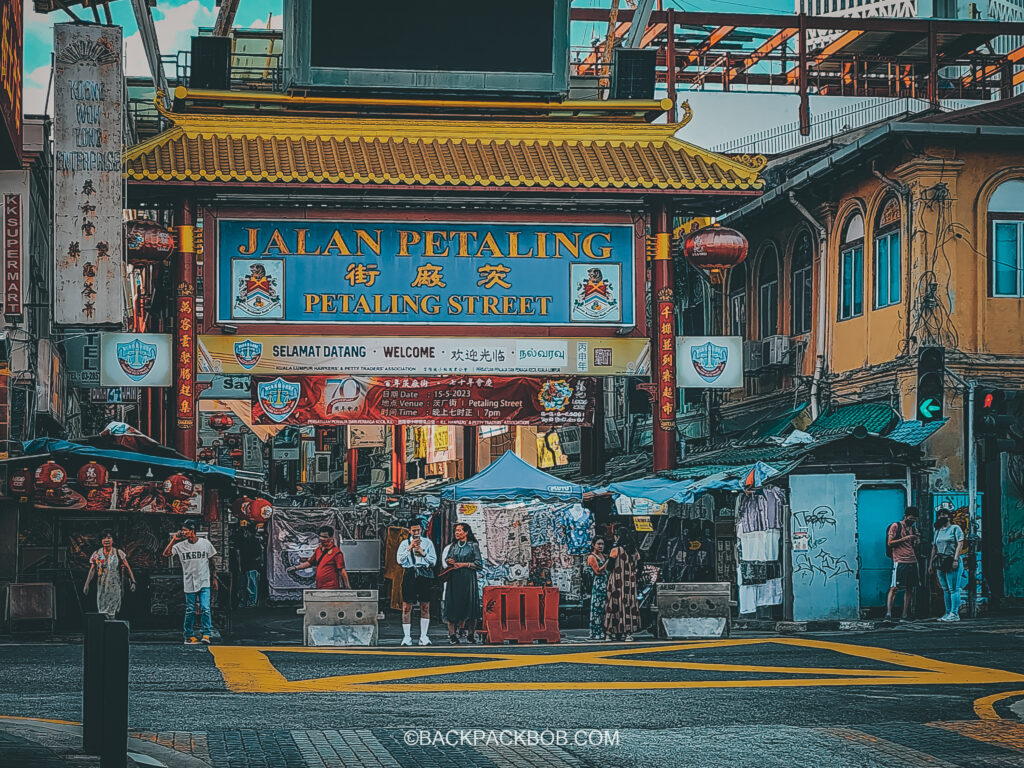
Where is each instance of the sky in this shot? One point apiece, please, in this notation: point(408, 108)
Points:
point(177, 20)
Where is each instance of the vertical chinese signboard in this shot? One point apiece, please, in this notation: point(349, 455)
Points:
point(87, 196)
point(666, 357)
point(12, 255)
point(185, 358)
point(11, 78)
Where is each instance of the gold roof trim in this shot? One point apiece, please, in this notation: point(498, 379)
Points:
point(555, 154)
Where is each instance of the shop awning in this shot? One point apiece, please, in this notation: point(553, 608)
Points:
point(512, 478)
point(478, 153)
point(657, 489)
point(243, 410)
point(49, 445)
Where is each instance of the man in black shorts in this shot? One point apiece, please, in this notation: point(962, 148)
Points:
point(901, 540)
point(418, 557)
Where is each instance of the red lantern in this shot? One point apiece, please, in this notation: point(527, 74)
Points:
point(178, 487)
point(92, 475)
point(147, 241)
point(221, 422)
point(240, 505)
point(50, 475)
point(20, 483)
point(207, 454)
point(260, 510)
point(715, 248)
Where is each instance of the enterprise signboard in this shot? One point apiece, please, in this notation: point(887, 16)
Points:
point(406, 272)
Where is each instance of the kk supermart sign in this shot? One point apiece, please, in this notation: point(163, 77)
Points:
point(437, 272)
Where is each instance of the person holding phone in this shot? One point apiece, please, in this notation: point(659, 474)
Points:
point(901, 540)
point(198, 563)
point(946, 559)
point(328, 561)
point(418, 557)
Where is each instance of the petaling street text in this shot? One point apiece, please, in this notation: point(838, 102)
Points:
point(405, 304)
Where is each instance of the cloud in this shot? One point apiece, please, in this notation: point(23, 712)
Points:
point(175, 28)
point(34, 93)
point(276, 22)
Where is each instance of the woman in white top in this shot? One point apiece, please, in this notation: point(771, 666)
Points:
point(947, 549)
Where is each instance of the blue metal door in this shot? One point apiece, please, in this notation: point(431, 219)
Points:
point(877, 509)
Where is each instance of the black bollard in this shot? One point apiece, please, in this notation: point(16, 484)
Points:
point(92, 684)
point(115, 693)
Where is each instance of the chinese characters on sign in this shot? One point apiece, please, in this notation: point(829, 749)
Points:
point(185, 357)
point(665, 355)
point(305, 271)
point(11, 79)
point(12, 256)
point(87, 127)
point(465, 400)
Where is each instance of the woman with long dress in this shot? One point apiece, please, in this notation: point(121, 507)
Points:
point(105, 565)
point(597, 562)
point(462, 592)
point(622, 614)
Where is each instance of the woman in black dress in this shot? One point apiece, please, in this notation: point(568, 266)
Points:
point(462, 595)
point(622, 613)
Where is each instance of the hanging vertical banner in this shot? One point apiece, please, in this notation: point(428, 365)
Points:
point(11, 77)
point(88, 86)
point(185, 357)
point(666, 361)
point(12, 257)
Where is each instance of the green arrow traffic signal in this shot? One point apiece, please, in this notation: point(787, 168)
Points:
point(929, 408)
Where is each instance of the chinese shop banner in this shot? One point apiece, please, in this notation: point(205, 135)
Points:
point(468, 401)
point(423, 355)
point(88, 90)
point(315, 271)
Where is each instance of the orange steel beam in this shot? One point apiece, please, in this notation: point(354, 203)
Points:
point(1017, 54)
point(1018, 78)
point(834, 47)
point(769, 45)
point(716, 36)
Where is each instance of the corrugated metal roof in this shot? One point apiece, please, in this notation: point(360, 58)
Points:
point(876, 418)
point(914, 432)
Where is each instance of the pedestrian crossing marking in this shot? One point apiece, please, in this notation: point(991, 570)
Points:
point(248, 669)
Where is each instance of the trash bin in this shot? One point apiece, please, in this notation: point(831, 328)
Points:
point(694, 610)
point(339, 617)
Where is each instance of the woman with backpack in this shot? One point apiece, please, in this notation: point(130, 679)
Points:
point(105, 565)
point(947, 548)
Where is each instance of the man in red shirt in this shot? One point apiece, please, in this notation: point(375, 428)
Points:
point(328, 561)
point(901, 541)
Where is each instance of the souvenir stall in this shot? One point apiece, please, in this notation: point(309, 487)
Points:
point(65, 494)
point(532, 527)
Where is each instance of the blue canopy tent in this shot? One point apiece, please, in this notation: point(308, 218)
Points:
point(512, 478)
point(657, 489)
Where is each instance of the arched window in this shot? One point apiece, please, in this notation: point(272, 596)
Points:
point(802, 291)
point(768, 292)
point(851, 268)
point(738, 300)
point(887, 254)
point(1006, 224)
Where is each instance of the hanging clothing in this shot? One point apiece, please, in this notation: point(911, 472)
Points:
point(577, 526)
point(754, 596)
point(508, 535)
point(622, 614)
point(762, 509)
point(759, 545)
point(461, 590)
point(108, 580)
point(598, 595)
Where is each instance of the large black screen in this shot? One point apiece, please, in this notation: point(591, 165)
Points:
point(434, 35)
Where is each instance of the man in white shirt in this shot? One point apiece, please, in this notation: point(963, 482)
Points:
point(198, 562)
point(418, 557)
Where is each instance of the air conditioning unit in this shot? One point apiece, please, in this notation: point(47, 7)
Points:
point(322, 467)
point(753, 352)
point(776, 350)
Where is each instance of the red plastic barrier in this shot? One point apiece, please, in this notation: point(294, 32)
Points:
point(521, 614)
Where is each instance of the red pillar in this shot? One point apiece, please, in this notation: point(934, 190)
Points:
point(663, 332)
point(184, 281)
point(398, 459)
point(353, 468)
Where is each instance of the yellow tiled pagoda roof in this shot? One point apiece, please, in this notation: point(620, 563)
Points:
point(218, 148)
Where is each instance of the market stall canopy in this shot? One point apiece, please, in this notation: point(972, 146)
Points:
point(512, 478)
point(53, 446)
point(655, 489)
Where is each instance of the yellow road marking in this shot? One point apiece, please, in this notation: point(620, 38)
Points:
point(38, 720)
point(248, 669)
point(1005, 733)
point(985, 707)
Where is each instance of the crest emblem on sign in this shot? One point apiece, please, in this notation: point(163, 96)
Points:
point(709, 360)
point(248, 353)
point(554, 395)
point(595, 296)
point(136, 358)
point(278, 398)
point(257, 291)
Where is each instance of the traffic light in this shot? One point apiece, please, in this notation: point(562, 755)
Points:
point(931, 365)
point(999, 414)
